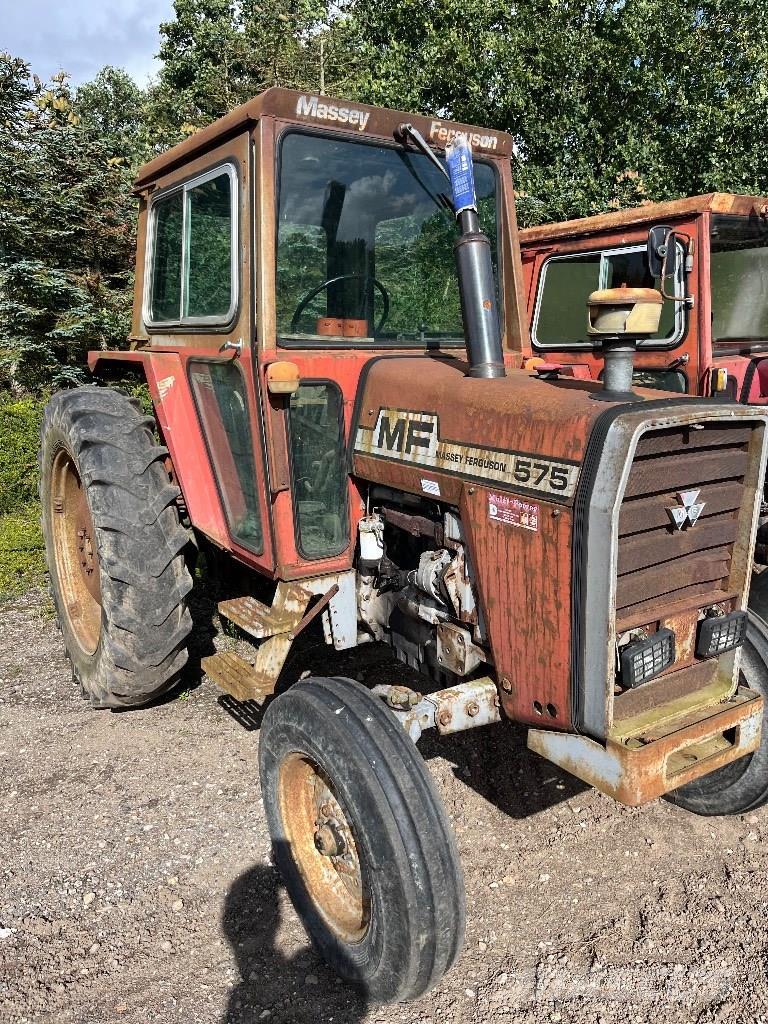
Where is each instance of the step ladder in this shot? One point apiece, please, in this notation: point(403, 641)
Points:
point(275, 627)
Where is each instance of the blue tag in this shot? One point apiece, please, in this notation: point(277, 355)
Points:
point(458, 155)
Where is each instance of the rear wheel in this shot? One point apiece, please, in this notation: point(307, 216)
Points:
point(360, 838)
point(114, 547)
point(742, 785)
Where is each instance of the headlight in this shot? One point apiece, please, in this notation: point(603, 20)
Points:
point(721, 633)
point(644, 659)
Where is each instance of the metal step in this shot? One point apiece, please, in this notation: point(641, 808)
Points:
point(260, 620)
point(237, 677)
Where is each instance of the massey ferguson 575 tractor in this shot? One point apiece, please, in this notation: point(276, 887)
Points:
point(329, 309)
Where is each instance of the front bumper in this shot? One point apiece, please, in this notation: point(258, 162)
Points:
point(639, 768)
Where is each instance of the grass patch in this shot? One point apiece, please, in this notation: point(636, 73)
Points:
point(22, 552)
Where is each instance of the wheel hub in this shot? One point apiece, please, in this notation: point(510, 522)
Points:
point(323, 845)
point(75, 552)
point(329, 841)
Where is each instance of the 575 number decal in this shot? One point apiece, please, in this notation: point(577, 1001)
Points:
point(544, 475)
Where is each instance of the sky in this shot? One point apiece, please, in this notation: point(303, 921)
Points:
point(81, 36)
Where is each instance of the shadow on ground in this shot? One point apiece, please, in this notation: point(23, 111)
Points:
point(299, 989)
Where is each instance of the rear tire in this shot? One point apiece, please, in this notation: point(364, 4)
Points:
point(360, 838)
point(742, 785)
point(114, 547)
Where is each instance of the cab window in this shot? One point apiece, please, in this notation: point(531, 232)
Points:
point(192, 241)
point(560, 316)
point(365, 238)
point(320, 484)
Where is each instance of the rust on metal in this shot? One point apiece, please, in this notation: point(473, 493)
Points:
point(75, 552)
point(324, 847)
point(714, 202)
point(236, 676)
point(314, 611)
point(261, 620)
point(637, 768)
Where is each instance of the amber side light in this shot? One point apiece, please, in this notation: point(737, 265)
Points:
point(282, 377)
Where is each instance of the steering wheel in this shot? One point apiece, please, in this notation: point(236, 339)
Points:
point(343, 277)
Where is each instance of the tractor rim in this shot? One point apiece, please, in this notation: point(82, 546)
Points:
point(74, 550)
point(323, 845)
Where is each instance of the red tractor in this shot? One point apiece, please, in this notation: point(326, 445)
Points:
point(713, 336)
point(329, 315)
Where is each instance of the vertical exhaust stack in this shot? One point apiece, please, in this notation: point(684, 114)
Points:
point(477, 288)
point(477, 292)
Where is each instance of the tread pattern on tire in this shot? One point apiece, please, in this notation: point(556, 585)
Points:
point(416, 822)
point(742, 786)
point(140, 543)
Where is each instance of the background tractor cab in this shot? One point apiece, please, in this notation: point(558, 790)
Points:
point(713, 334)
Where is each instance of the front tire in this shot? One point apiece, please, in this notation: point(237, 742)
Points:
point(742, 785)
point(360, 838)
point(114, 547)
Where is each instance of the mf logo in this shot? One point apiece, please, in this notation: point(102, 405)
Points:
point(688, 511)
point(411, 434)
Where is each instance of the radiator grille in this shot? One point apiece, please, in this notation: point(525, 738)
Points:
point(658, 563)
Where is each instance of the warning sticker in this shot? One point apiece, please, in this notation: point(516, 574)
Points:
point(504, 508)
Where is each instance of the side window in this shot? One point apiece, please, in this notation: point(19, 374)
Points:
point(208, 278)
point(561, 309)
point(222, 406)
point(560, 317)
point(166, 257)
point(193, 233)
point(320, 491)
point(660, 380)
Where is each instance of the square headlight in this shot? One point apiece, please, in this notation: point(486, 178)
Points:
point(721, 633)
point(644, 659)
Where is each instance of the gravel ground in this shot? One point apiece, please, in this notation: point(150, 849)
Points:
point(136, 885)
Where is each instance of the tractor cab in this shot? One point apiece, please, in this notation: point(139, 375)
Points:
point(296, 240)
point(713, 334)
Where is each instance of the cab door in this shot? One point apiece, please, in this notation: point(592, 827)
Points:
point(198, 313)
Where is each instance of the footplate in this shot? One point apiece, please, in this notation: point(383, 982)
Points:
point(239, 678)
point(640, 768)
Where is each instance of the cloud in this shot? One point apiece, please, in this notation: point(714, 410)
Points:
point(85, 35)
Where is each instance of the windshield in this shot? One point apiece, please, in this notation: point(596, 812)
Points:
point(365, 244)
point(739, 277)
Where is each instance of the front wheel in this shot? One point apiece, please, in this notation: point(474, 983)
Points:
point(360, 838)
point(742, 785)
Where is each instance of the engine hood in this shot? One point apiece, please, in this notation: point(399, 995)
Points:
point(422, 425)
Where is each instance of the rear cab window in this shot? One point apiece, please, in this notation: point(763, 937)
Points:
point(192, 251)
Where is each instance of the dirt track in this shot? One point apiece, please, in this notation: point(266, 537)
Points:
point(136, 884)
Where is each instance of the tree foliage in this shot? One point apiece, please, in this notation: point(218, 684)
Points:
point(66, 232)
point(217, 54)
point(612, 103)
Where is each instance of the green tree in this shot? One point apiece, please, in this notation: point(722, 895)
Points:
point(217, 54)
point(66, 232)
point(611, 103)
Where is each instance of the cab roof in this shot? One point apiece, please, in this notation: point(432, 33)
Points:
point(710, 202)
point(324, 112)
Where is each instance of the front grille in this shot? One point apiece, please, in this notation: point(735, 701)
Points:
point(657, 563)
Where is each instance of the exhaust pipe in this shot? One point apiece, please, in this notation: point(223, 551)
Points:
point(477, 292)
point(477, 289)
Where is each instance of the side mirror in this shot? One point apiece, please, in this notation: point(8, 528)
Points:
point(663, 253)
